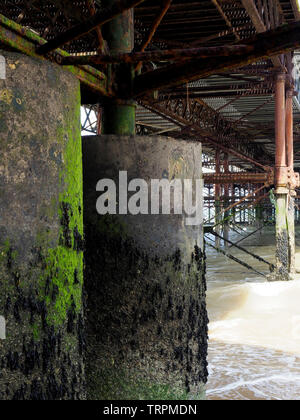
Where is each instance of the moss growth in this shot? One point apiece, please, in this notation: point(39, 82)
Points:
point(64, 264)
point(116, 385)
point(7, 254)
point(41, 266)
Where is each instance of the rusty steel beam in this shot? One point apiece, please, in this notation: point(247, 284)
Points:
point(252, 194)
point(253, 110)
point(228, 23)
point(280, 40)
point(289, 128)
point(199, 120)
point(164, 55)
point(239, 177)
point(258, 23)
point(231, 94)
point(254, 15)
point(13, 35)
point(254, 85)
point(295, 6)
point(92, 10)
point(165, 7)
point(94, 22)
point(280, 153)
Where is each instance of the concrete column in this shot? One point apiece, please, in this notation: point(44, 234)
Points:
point(119, 114)
point(145, 275)
point(41, 228)
point(282, 246)
point(291, 231)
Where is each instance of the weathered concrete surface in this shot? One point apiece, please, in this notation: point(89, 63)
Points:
point(145, 279)
point(41, 228)
point(291, 233)
point(282, 246)
point(283, 232)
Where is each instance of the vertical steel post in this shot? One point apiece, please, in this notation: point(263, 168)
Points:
point(281, 191)
point(226, 200)
point(119, 115)
point(217, 202)
point(280, 154)
point(290, 164)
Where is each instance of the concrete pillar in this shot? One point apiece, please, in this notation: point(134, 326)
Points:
point(41, 228)
point(145, 276)
point(119, 114)
point(291, 232)
point(281, 231)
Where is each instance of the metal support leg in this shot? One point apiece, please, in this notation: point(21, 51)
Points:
point(119, 115)
point(290, 164)
point(217, 202)
point(281, 192)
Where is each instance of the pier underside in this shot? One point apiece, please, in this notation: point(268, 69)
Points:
point(101, 298)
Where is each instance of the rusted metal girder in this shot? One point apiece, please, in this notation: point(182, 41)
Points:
point(92, 9)
point(164, 55)
point(199, 120)
point(289, 128)
point(280, 153)
point(252, 194)
point(280, 40)
point(259, 24)
point(295, 6)
point(266, 178)
point(165, 7)
point(96, 21)
point(217, 187)
point(25, 41)
point(293, 180)
point(236, 85)
point(224, 16)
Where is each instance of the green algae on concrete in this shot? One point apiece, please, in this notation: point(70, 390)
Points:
point(41, 233)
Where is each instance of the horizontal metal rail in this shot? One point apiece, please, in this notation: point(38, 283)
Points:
point(240, 177)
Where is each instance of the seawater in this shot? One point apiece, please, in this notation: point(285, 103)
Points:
point(254, 328)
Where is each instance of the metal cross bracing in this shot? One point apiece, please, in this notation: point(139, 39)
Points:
point(90, 119)
point(232, 109)
point(195, 116)
point(214, 71)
